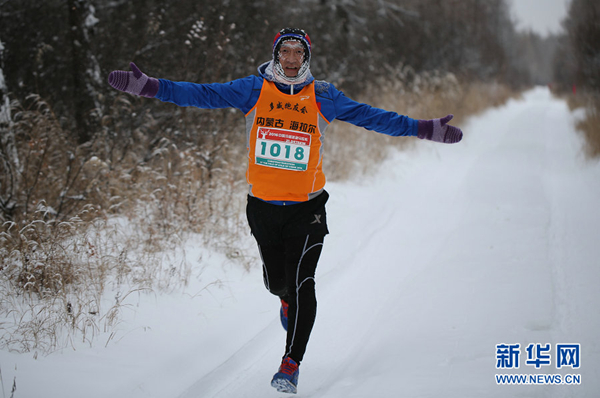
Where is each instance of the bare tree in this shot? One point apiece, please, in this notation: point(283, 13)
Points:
point(85, 69)
point(9, 158)
point(583, 31)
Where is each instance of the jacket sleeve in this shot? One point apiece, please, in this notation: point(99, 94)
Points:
point(240, 93)
point(340, 107)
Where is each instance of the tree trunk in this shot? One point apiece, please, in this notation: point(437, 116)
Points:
point(9, 157)
point(86, 70)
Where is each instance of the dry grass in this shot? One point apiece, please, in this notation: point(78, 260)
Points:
point(91, 225)
point(589, 126)
point(419, 96)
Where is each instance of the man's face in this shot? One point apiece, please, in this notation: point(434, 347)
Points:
point(291, 55)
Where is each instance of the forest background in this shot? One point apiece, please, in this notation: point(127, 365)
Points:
point(99, 188)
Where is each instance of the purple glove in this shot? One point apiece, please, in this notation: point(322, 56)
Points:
point(134, 82)
point(437, 130)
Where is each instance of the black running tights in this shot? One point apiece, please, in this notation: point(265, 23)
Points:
point(289, 273)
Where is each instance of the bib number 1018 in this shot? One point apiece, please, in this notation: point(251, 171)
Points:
point(281, 151)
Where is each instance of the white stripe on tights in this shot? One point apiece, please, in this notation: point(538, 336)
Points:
point(298, 286)
point(266, 273)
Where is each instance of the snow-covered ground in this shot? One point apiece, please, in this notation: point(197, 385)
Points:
point(449, 251)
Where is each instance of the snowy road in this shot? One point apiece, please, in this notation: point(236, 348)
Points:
point(450, 251)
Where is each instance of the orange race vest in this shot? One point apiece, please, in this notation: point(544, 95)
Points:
point(284, 141)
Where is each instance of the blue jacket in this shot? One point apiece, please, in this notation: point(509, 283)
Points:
point(243, 94)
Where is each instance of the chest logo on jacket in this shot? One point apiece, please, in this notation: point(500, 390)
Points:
point(288, 106)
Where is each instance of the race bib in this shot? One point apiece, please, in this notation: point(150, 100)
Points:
point(282, 149)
